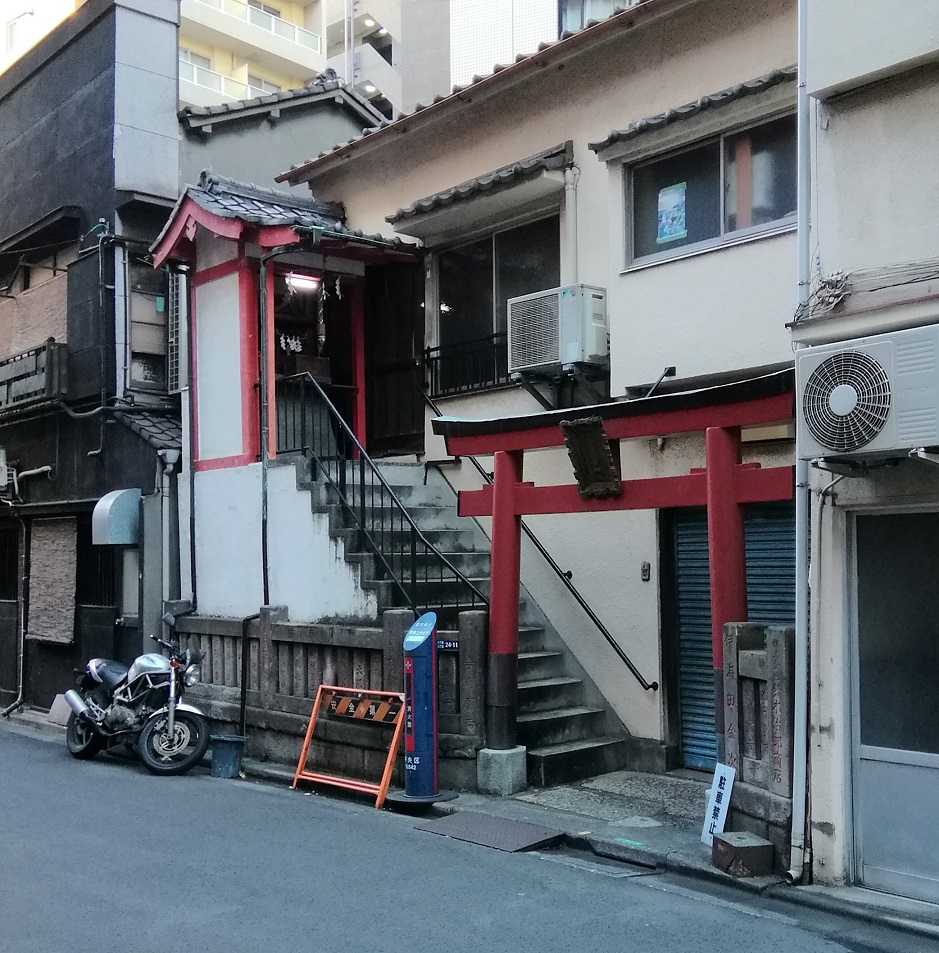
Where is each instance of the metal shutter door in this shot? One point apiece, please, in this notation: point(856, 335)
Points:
point(771, 563)
point(695, 659)
point(769, 532)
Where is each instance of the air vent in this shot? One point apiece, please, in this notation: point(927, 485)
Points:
point(846, 401)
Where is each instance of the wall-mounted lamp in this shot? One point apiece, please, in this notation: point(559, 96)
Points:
point(303, 283)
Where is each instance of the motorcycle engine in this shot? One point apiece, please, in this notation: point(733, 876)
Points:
point(121, 718)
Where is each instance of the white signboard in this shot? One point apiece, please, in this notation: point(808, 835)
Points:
point(718, 802)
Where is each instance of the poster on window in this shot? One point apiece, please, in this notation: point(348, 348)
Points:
point(672, 214)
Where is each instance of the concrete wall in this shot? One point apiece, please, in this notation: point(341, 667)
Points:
point(852, 42)
point(307, 571)
point(258, 147)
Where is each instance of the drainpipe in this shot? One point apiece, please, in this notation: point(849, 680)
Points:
point(571, 177)
point(800, 713)
point(21, 615)
point(170, 458)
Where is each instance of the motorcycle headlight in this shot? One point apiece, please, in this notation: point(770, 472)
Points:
point(192, 675)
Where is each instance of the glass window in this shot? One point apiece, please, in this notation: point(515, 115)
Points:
point(465, 293)
point(269, 10)
point(739, 181)
point(16, 33)
point(261, 85)
point(528, 259)
point(187, 56)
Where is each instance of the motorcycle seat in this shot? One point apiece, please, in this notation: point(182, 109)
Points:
point(110, 672)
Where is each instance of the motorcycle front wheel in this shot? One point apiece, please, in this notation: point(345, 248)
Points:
point(80, 739)
point(162, 753)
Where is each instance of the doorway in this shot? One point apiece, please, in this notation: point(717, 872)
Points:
point(896, 703)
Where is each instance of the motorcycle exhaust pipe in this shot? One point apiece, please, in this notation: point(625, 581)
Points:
point(79, 706)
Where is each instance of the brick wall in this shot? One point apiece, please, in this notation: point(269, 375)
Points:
point(33, 316)
point(53, 547)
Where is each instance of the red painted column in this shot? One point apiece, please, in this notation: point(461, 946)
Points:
point(726, 552)
point(505, 573)
point(357, 323)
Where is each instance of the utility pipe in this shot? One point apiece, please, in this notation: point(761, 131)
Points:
point(27, 473)
point(170, 458)
point(802, 495)
point(571, 178)
point(21, 617)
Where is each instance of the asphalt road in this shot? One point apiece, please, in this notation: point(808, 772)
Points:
point(100, 856)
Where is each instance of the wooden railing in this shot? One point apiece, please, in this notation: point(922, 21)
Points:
point(33, 376)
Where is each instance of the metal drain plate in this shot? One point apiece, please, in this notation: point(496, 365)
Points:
point(497, 832)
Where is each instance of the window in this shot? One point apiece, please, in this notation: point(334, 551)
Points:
point(264, 8)
point(259, 86)
point(742, 182)
point(475, 282)
point(574, 15)
point(148, 311)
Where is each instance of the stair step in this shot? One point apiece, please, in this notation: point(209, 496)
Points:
point(530, 638)
point(541, 694)
point(537, 729)
point(575, 760)
point(539, 664)
point(451, 540)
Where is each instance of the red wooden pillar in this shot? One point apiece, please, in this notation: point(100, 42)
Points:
point(505, 574)
point(726, 552)
point(357, 323)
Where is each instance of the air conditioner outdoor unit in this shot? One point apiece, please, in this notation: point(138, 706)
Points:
point(555, 329)
point(873, 396)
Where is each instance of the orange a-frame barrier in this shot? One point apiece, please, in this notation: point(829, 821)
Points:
point(386, 708)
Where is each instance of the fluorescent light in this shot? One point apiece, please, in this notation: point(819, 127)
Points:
point(370, 88)
point(302, 282)
point(368, 21)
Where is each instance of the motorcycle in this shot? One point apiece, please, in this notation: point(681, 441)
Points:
point(140, 704)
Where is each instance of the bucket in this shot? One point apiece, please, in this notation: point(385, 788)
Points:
point(226, 755)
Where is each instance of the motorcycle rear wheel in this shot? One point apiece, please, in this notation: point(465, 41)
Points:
point(80, 739)
point(162, 754)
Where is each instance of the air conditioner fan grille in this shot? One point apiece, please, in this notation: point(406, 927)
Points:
point(846, 401)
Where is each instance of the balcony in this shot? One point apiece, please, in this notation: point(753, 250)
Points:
point(253, 35)
point(467, 367)
point(32, 377)
point(370, 68)
point(202, 87)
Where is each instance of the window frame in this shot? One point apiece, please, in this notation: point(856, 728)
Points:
point(725, 239)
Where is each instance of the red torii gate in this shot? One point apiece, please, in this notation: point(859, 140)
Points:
point(723, 485)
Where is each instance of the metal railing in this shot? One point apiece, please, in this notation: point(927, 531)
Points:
point(418, 573)
point(565, 577)
point(468, 366)
point(34, 375)
point(267, 22)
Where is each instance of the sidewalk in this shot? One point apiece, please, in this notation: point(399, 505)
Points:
point(653, 821)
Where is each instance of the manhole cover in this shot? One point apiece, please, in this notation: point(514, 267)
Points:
point(497, 832)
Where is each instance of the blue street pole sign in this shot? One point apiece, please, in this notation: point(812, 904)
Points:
point(420, 708)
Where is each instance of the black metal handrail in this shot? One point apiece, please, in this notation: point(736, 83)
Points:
point(565, 577)
point(468, 365)
point(308, 421)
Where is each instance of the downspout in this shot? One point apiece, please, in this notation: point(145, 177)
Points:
point(571, 178)
point(802, 495)
point(21, 614)
point(169, 458)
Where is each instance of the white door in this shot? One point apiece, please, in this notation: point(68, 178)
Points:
point(896, 710)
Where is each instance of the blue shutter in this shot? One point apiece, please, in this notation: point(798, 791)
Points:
point(770, 540)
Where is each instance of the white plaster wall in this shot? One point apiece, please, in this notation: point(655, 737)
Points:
point(218, 366)
point(308, 573)
point(856, 41)
point(722, 310)
point(909, 485)
point(228, 541)
point(875, 186)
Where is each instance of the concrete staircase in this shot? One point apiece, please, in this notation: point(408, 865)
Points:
point(568, 737)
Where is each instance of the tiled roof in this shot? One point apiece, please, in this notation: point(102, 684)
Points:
point(713, 101)
point(269, 207)
point(326, 87)
point(593, 30)
point(263, 206)
point(556, 158)
point(161, 431)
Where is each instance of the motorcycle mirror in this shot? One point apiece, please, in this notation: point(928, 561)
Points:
point(169, 619)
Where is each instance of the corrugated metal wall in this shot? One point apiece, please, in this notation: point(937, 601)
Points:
point(770, 541)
